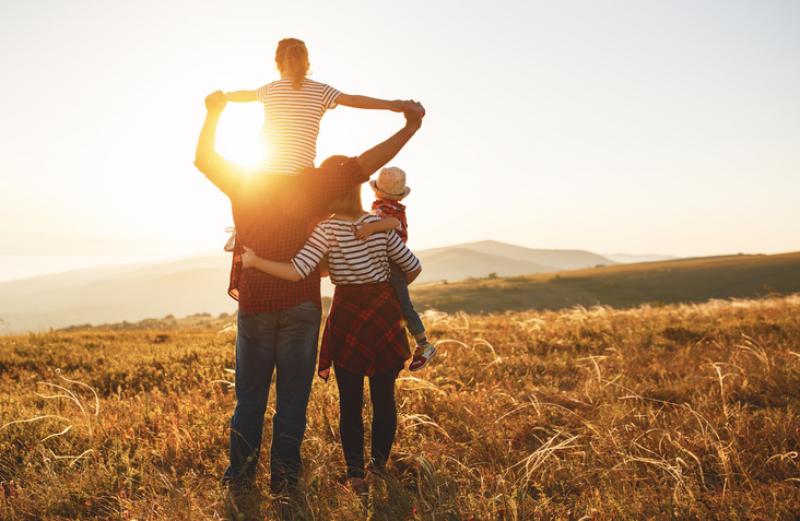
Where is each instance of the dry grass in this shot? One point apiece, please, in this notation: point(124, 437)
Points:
point(679, 412)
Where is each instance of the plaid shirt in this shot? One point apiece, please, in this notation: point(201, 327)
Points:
point(274, 215)
point(364, 333)
point(387, 208)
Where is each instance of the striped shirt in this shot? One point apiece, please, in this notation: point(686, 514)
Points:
point(291, 123)
point(351, 260)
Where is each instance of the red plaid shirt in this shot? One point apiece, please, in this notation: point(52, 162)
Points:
point(387, 208)
point(364, 333)
point(274, 215)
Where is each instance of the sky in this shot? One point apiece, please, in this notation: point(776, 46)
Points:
point(612, 126)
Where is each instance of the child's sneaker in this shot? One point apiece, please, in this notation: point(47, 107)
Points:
point(422, 356)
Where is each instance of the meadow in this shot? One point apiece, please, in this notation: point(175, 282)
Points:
point(620, 285)
point(654, 412)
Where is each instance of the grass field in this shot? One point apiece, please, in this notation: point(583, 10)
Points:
point(621, 285)
point(668, 412)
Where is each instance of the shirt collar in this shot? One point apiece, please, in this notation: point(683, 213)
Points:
point(388, 202)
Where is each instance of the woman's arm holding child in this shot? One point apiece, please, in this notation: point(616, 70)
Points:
point(303, 264)
point(282, 270)
point(398, 252)
point(386, 224)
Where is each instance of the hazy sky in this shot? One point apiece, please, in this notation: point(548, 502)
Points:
point(633, 126)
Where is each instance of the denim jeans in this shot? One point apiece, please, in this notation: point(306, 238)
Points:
point(284, 342)
point(399, 283)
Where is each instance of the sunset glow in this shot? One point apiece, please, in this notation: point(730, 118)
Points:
point(239, 136)
point(559, 242)
point(644, 142)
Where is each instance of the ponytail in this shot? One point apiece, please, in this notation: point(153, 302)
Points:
point(291, 56)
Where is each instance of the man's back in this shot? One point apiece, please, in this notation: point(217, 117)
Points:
point(274, 215)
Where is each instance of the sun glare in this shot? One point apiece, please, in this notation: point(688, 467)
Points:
point(239, 136)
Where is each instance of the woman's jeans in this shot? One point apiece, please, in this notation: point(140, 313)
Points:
point(351, 423)
point(284, 342)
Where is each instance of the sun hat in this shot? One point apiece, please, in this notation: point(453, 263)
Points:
point(391, 184)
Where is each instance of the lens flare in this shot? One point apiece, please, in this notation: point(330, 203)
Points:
point(239, 135)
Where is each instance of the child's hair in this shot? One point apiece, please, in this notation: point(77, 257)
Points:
point(348, 203)
point(291, 56)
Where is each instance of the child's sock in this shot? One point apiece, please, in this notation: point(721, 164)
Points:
point(421, 339)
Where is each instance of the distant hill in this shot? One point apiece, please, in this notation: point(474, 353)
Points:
point(480, 259)
point(458, 263)
point(541, 260)
point(627, 258)
point(621, 285)
point(199, 284)
point(22, 288)
point(116, 293)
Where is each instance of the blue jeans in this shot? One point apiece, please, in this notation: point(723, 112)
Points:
point(285, 341)
point(399, 283)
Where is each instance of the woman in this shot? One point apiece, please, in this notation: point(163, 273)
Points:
point(364, 335)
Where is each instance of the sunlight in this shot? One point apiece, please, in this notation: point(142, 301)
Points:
point(239, 134)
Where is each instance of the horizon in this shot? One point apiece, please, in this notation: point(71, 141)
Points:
point(80, 263)
point(529, 279)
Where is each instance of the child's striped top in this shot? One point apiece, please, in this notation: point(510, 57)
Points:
point(291, 123)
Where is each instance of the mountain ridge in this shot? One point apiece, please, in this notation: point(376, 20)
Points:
point(199, 284)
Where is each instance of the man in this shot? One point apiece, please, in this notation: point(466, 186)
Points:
point(278, 321)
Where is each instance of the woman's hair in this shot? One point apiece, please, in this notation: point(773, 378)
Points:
point(291, 56)
point(348, 203)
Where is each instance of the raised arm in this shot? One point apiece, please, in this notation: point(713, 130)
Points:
point(223, 173)
point(365, 102)
point(242, 96)
point(338, 174)
point(377, 156)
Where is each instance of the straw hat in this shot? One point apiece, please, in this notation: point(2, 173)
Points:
point(391, 184)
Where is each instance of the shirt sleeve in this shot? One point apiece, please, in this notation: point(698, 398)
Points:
point(379, 211)
point(400, 254)
point(329, 97)
point(261, 93)
point(310, 255)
